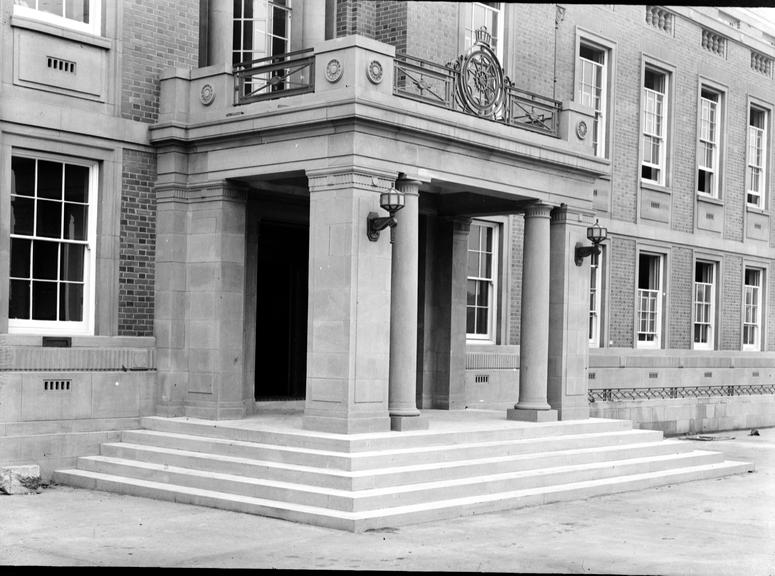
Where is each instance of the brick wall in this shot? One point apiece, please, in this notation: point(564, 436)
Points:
point(621, 292)
point(137, 244)
point(442, 43)
point(680, 297)
point(517, 224)
point(391, 24)
point(356, 17)
point(155, 35)
point(731, 304)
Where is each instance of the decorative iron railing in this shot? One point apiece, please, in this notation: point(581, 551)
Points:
point(435, 84)
point(619, 394)
point(274, 77)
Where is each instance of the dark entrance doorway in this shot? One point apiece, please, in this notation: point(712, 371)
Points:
point(281, 311)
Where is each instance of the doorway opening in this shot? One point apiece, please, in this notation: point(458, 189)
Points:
point(281, 311)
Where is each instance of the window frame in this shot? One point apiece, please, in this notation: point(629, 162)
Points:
point(710, 303)
point(597, 265)
point(62, 327)
point(658, 341)
point(491, 335)
point(718, 143)
point(94, 27)
point(267, 51)
point(649, 66)
point(761, 194)
point(601, 129)
point(759, 323)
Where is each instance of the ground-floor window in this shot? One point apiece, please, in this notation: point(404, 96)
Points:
point(53, 211)
point(482, 280)
point(595, 297)
point(704, 304)
point(752, 314)
point(650, 278)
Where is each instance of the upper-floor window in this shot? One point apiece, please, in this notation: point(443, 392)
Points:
point(591, 90)
point(650, 281)
point(704, 304)
point(53, 221)
point(482, 277)
point(262, 28)
point(756, 169)
point(478, 14)
point(80, 15)
point(654, 145)
point(708, 158)
point(752, 309)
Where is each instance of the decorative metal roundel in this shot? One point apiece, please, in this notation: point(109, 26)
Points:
point(207, 94)
point(334, 70)
point(481, 85)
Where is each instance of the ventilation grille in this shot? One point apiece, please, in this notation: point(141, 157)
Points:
point(56, 384)
point(482, 378)
point(60, 64)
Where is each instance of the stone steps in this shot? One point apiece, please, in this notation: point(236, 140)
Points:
point(385, 476)
point(399, 515)
point(371, 459)
point(366, 481)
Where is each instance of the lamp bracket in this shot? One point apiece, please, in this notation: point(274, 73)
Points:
point(584, 251)
point(377, 223)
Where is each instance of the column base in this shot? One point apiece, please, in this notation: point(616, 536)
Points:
point(530, 415)
point(404, 423)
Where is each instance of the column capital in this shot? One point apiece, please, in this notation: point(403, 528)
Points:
point(350, 177)
point(564, 214)
point(538, 211)
point(408, 186)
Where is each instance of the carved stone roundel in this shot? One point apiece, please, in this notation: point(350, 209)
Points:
point(581, 129)
point(207, 94)
point(374, 71)
point(334, 70)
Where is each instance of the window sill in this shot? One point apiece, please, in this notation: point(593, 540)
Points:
point(52, 30)
point(709, 199)
point(756, 210)
point(655, 187)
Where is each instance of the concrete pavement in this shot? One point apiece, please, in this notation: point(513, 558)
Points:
point(716, 527)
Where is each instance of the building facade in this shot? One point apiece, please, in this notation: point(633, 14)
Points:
point(187, 188)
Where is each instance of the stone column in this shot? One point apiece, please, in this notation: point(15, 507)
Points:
point(404, 414)
point(568, 316)
point(220, 33)
point(534, 334)
point(348, 336)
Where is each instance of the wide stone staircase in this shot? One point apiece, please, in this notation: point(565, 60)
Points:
point(379, 480)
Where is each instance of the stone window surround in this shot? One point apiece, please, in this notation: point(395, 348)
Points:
point(767, 108)
point(109, 162)
point(722, 90)
point(651, 63)
point(493, 316)
point(715, 285)
point(586, 37)
point(85, 325)
point(664, 253)
point(764, 269)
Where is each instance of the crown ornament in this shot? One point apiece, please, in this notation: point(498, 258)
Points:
point(483, 36)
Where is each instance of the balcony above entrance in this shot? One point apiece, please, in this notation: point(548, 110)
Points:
point(356, 78)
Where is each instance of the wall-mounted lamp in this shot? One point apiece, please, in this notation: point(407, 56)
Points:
point(392, 201)
point(595, 234)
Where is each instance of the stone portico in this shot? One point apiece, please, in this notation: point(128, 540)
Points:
point(331, 153)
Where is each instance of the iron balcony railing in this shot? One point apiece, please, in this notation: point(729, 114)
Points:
point(433, 83)
point(624, 394)
point(274, 77)
point(294, 73)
